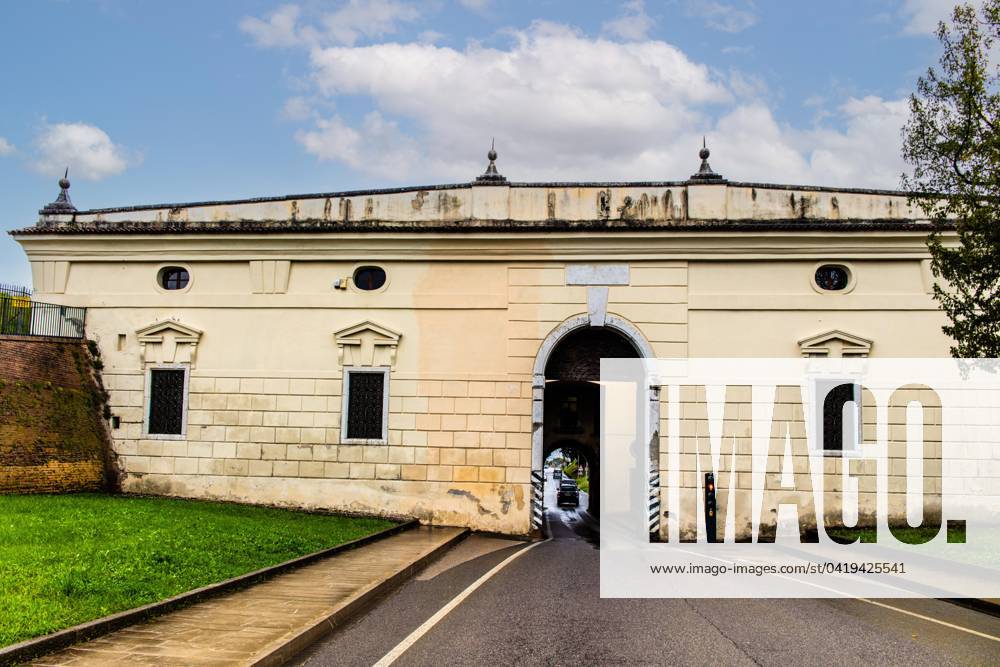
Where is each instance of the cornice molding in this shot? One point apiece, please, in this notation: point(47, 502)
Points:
point(554, 246)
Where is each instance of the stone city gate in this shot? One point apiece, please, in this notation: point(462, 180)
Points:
point(452, 429)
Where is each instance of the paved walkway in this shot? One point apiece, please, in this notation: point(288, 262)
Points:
point(247, 627)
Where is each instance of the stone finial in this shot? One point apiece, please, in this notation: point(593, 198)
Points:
point(62, 204)
point(491, 175)
point(705, 172)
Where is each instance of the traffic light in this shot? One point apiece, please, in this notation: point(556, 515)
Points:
point(710, 506)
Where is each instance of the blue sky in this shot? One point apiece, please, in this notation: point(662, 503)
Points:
point(151, 102)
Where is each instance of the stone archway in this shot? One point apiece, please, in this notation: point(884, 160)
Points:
point(570, 355)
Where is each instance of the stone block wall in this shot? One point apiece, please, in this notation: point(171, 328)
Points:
point(456, 448)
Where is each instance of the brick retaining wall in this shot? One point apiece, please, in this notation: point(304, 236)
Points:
point(52, 435)
point(61, 361)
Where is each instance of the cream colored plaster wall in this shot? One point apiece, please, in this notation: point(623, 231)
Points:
point(745, 333)
point(654, 301)
point(763, 308)
point(291, 332)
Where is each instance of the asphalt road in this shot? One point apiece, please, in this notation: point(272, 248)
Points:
point(544, 608)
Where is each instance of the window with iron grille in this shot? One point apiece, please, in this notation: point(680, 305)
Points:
point(166, 401)
point(836, 430)
point(365, 404)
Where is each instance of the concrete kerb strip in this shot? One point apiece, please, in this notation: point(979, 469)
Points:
point(39, 646)
point(284, 650)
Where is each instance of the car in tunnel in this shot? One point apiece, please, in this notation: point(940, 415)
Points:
point(568, 493)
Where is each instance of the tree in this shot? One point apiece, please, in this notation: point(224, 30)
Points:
point(952, 142)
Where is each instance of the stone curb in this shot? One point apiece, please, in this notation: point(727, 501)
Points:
point(284, 650)
point(39, 646)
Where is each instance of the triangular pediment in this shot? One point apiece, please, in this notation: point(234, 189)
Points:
point(367, 344)
point(357, 330)
point(155, 332)
point(835, 343)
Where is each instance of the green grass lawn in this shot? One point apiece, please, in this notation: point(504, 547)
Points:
point(72, 558)
point(905, 535)
point(983, 548)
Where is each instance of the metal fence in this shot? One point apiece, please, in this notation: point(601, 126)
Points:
point(22, 316)
point(14, 290)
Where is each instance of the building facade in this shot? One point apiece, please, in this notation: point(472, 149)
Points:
point(419, 351)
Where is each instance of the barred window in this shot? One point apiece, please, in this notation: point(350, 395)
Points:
point(835, 433)
point(365, 404)
point(166, 401)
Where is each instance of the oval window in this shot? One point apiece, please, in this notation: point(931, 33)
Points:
point(369, 278)
point(832, 277)
point(174, 277)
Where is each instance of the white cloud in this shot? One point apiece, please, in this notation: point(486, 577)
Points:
point(476, 5)
point(367, 18)
point(722, 16)
point(297, 108)
point(279, 29)
point(377, 146)
point(87, 150)
point(6, 148)
point(867, 151)
point(864, 154)
point(746, 85)
point(563, 102)
point(633, 24)
point(567, 106)
point(430, 36)
point(748, 144)
point(921, 17)
point(353, 20)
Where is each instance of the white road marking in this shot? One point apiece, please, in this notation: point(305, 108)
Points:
point(411, 639)
point(868, 601)
point(932, 620)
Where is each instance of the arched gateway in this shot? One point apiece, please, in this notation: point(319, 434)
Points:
point(566, 396)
